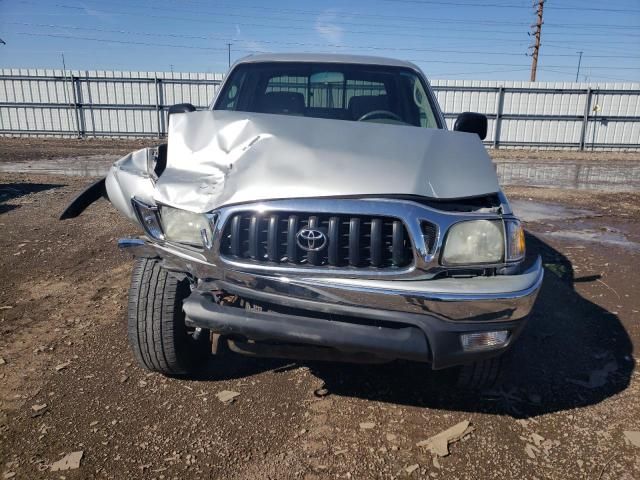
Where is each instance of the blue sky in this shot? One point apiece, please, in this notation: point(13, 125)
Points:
point(455, 39)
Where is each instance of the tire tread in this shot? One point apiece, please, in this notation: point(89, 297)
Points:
point(480, 375)
point(156, 329)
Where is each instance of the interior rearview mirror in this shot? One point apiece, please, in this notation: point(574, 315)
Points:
point(473, 123)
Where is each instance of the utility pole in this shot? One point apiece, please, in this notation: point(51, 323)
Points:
point(229, 52)
point(536, 33)
point(579, 63)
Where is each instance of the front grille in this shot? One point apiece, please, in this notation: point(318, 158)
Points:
point(351, 241)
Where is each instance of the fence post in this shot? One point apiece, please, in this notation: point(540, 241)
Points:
point(498, 121)
point(92, 116)
point(585, 118)
point(156, 82)
point(76, 105)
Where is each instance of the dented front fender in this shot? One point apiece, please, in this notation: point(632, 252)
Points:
point(132, 175)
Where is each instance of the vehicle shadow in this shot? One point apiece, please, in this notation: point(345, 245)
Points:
point(572, 353)
point(11, 191)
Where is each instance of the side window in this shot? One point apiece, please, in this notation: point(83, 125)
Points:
point(287, 83)
point(421, 99)
point(229, 101)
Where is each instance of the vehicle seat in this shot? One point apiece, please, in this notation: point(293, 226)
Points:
point(284, 103)
point(358, 106)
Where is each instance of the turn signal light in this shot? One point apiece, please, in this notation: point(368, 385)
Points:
point(515, 240)
point(473, 342)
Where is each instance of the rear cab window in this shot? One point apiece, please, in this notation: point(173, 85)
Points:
point(353, 92)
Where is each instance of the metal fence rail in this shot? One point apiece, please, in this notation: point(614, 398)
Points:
point(577, 116)
point(97, 104)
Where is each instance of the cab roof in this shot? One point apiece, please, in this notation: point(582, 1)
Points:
point(325, 58)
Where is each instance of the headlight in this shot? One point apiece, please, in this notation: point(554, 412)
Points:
point(181, 226)
point(474, 241)
point(515, 240)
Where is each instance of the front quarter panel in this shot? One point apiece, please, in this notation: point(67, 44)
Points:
point(129, 177)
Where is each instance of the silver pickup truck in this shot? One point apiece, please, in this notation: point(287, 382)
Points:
point(321, 209)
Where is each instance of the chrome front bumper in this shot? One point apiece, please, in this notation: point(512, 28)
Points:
point(500, 298)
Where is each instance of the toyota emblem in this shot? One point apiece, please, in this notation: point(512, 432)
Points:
point(311, 240)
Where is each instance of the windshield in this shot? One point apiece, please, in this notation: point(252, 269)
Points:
point(366, 93)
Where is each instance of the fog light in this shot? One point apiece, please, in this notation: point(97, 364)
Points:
point(483, 340)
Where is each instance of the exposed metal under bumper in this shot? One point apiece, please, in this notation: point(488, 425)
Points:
point(394, 343)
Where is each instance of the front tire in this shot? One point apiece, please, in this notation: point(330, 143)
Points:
point(157, 332)
point(480, 375)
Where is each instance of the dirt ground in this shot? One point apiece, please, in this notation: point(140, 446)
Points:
point(33, 148)
point(16, 149)
point(562, 155)
point(68, 381)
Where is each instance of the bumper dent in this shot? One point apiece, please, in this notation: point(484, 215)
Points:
point(407, 342)
point(480, 299)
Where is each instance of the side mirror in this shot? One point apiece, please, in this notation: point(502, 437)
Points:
point(181, 108)
point(473, 123)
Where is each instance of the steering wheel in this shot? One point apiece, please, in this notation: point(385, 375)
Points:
point(385, 113)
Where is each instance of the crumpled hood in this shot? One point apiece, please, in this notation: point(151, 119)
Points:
point(217, 158)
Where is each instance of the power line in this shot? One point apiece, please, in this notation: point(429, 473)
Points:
point(419, 19)
point(597, 9)
point(306, 28)
point(544, 69)
point(387, 17)
point(340, 21)
point(248, 45)
point(269, 42)
point(404, 33)
point(455, 74)
point(460, 4)
point(336, 21)
point(573, 45)
point(502, 5)
point(122, 42)
point(304, 44)
point(294, 27)
point(426, 61)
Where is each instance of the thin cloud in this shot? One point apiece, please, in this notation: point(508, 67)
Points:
point(326, 27)
point(247, 44)
point(255, 47)
point(90, 12)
